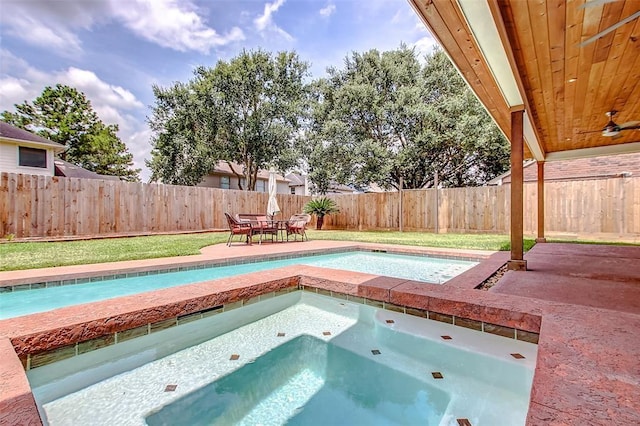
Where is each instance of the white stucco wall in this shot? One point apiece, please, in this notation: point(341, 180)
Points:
point(9, 160)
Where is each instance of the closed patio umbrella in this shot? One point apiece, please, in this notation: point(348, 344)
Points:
point(272, 205)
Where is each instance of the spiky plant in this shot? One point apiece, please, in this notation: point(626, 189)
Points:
point(320, 207)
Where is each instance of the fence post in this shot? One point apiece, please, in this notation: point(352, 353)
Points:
point(401, 207)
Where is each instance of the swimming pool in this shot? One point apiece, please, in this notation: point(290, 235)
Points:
point(418, 268)
point(299, 358)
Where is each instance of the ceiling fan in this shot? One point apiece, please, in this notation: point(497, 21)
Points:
point(612, 129)
point(612, 27)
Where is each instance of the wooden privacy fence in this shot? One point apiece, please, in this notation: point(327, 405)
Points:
point(43, 206)
point(610, 207)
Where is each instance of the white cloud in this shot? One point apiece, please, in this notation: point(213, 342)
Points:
point(265, 22)
point(47, 24)
point(172, 24)
point(20, 82)
point(328, 10)
point(54, 25)
point(424, 46)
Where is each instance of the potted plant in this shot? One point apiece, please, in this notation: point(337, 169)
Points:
point(320, 207)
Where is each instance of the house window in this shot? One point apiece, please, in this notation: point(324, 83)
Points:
point(260, 187)
point(224, 182)
point(293, 190)
point(32, 157)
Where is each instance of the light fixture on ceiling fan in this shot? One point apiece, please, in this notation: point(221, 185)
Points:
point(612, 129)
point(613, 27)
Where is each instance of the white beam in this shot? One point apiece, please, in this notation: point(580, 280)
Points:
point(623, 148)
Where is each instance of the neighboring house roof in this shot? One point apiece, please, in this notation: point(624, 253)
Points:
point(295, 179)
point(579, 169)
point(222, 168)
point(66, 169)
point(11, 133)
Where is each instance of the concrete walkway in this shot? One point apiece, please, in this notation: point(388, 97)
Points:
point(588, 369)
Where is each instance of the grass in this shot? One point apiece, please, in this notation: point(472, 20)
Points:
point(32, 255)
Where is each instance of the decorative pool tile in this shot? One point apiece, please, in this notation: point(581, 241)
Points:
point(234, 357)
point(517, 356)
point(390, 321)
point(527, 336)
point(251, 301)
point(170, 388)
point(43, 358)
point(463, 422)
point(374, 303)
point(417, 312)
point(394, 308)
point(500, 330)
point(97, 343)
point(281, 334)
point(446, 337)
point(437, 375)
point(234, 305)
point(132, 333)
point(468, 323)
point(212, 311)
point(356, 299)
point(163, 325)
point(183, 319)
point(326, 333)
point(441, 317)
point(375, 352)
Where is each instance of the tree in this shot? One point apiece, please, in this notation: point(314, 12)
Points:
point(247, 110)
point(385, 117)
point(64, 115)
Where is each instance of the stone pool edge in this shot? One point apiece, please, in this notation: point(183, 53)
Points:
point(566, 365)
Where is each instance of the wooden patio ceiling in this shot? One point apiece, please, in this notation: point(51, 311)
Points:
point(542, 55)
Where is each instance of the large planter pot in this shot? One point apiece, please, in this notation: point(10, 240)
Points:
point(319, 222)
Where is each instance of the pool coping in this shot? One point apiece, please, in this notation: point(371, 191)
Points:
point(81, 274)
point(41, 332)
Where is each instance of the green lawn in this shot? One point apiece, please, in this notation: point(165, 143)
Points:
point(29, 255)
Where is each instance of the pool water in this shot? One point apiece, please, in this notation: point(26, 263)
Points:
point(427, 269)
point(302, 378)
point(301, 359)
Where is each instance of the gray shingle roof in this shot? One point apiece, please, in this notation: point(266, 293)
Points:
point(7, 131)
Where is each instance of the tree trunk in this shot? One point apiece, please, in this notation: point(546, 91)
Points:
point(319, 222)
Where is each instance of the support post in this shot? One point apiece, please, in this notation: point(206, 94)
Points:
point(435, 185)
point(517, 262)
point(541, 238)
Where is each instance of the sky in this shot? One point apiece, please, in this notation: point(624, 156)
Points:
point(115, 51)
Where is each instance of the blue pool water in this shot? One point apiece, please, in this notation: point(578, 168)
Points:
point(427, 269)
point(301, 359)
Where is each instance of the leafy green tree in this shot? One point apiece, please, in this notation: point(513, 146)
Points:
point(248, 110)
point(64, 115)
point(385, 117)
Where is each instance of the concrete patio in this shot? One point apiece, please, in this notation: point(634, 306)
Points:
point(583, 300)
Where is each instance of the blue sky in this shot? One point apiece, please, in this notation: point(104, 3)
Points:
point(115, 50)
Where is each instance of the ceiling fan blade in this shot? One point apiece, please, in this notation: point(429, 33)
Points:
point(594, 3)
point(610, 29)
point(629, 125)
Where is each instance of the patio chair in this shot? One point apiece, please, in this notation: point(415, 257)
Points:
point(297, 225)
point(238, 228)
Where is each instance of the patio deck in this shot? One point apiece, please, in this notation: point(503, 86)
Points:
point(588, 369)
point(583, 300)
